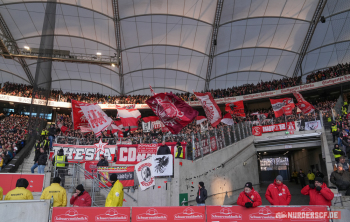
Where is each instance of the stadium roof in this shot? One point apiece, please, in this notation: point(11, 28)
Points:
point(169, 44)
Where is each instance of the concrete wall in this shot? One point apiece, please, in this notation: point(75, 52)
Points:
point(303, 159)
point(223, 184)
point(25, 210)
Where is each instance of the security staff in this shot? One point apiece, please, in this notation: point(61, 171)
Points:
point(20, 192)
point(60, 162)
point(1, 191)
point(337, 152)
point(44, 133)
point(329, 119)
point(334, 131)
point(37, 144)
point(179, 151)
point(345, 103)
point(46, 144)
point(57, 192)
point(115, 197)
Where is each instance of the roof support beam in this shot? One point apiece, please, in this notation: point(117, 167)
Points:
point(158, 88)
point(116, 20)
point(84, 80)
point(213, 43)
point(310, 32)
point(249, 71)
point(6, 32)
point(177, 70)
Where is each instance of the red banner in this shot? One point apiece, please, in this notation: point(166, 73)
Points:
point(129, 154)
point(168, 214)
point(205, 144)
point(257, 130)
point(213, 146)
point(125, 174)
point(8, 181)
point(288, 109)
point(78, 116)
point(274, 128)
point(278, 104)
point(91, 214)
point(211, 109)
point(235, 108)
point(264, 213)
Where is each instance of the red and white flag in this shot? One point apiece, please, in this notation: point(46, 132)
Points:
point(62, 127)
point(235, 108)
point(114, 128)
point(150, 119)
point(211, 109)
point(227, 119)
point(129, 117)
point(255, 114)
point(200, 119)
point(78, 117)
point(278, 104)
point(84, 129)
point(288, 109)
point(98, 120)
point(302, 104)
point(174, 113)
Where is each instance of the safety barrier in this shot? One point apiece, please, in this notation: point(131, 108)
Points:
point(25, 210)
point(8, 181)
point(195, 213)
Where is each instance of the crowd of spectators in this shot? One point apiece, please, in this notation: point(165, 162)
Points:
point(14, 89)
point(12, 138)
point(332, 72)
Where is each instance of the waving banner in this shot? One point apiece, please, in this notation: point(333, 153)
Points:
point(78, 118)
point(235, 108)
point(98, 120)
point(278, 104)
point(174, 113)
point(212, 111)
point(302, 104)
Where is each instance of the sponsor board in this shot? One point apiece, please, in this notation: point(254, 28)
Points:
point(168, 214)
point(91, 214)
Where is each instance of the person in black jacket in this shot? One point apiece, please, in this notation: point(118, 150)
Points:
point(302, 176)
point(42, 160)
point(125, 133)
point(36, 158)
point(103, 161)
point(201, 194)
point(163, 149)
point(51, 134)
point(319, 174)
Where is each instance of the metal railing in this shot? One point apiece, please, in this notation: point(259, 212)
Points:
point(78, 175)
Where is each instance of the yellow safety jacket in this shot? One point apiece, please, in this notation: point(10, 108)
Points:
point(19, 193)
point(337, 155)
point(294, 174)
point(345, 103)
point(59, 161)
point(57, 192)
point(329, 119)
point(182, 152)
point(1, 191)
point(115, 197)
point(310, 176)
point(334, 128)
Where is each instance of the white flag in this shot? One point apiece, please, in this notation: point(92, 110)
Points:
point(144, 172)
point(98, 120)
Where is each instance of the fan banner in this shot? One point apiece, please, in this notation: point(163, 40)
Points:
point(302, 104)
point(129, 117)
point(169, 214)
point(125, 174)
point(313, 125)
point(82, 153)
point(78, 118)
point(174, 113)
point(144, 172)
point(211, 109)
point(98, 120)
point(257, 130)
point(267, 213)
point(235, 108)
point(213, 146)
point(277, 127)
point(204, 144)
point(278, 104)
point(288, 109)
point(162, 165)
point(216, 143)
point(146, 127)
point(91, 214)
point(133, 154)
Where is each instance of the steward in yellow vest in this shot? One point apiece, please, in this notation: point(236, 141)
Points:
point(60, 162)
point(179, 151)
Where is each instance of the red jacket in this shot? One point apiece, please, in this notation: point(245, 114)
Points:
point(323, 197)
point(83, 200)
point(242, 199)
point(278, 194)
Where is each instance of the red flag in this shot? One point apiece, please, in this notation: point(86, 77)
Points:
point(288, 109)
point(62, 127)
point(277, 105)
point(302, 104)
point(212, 111)
point(235, 108)
point(200, 119)
point(174, 113)
point(129, 117)
point(150, 118)
point(227, 119)
point(78, 116)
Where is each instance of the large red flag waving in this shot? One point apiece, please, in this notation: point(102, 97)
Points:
point(79, 120)
point(235, 108)
point(212, 111)
point(174, 113)
point(278, 104)
point(302, 104)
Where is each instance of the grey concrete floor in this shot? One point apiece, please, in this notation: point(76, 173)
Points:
point(294, 189)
